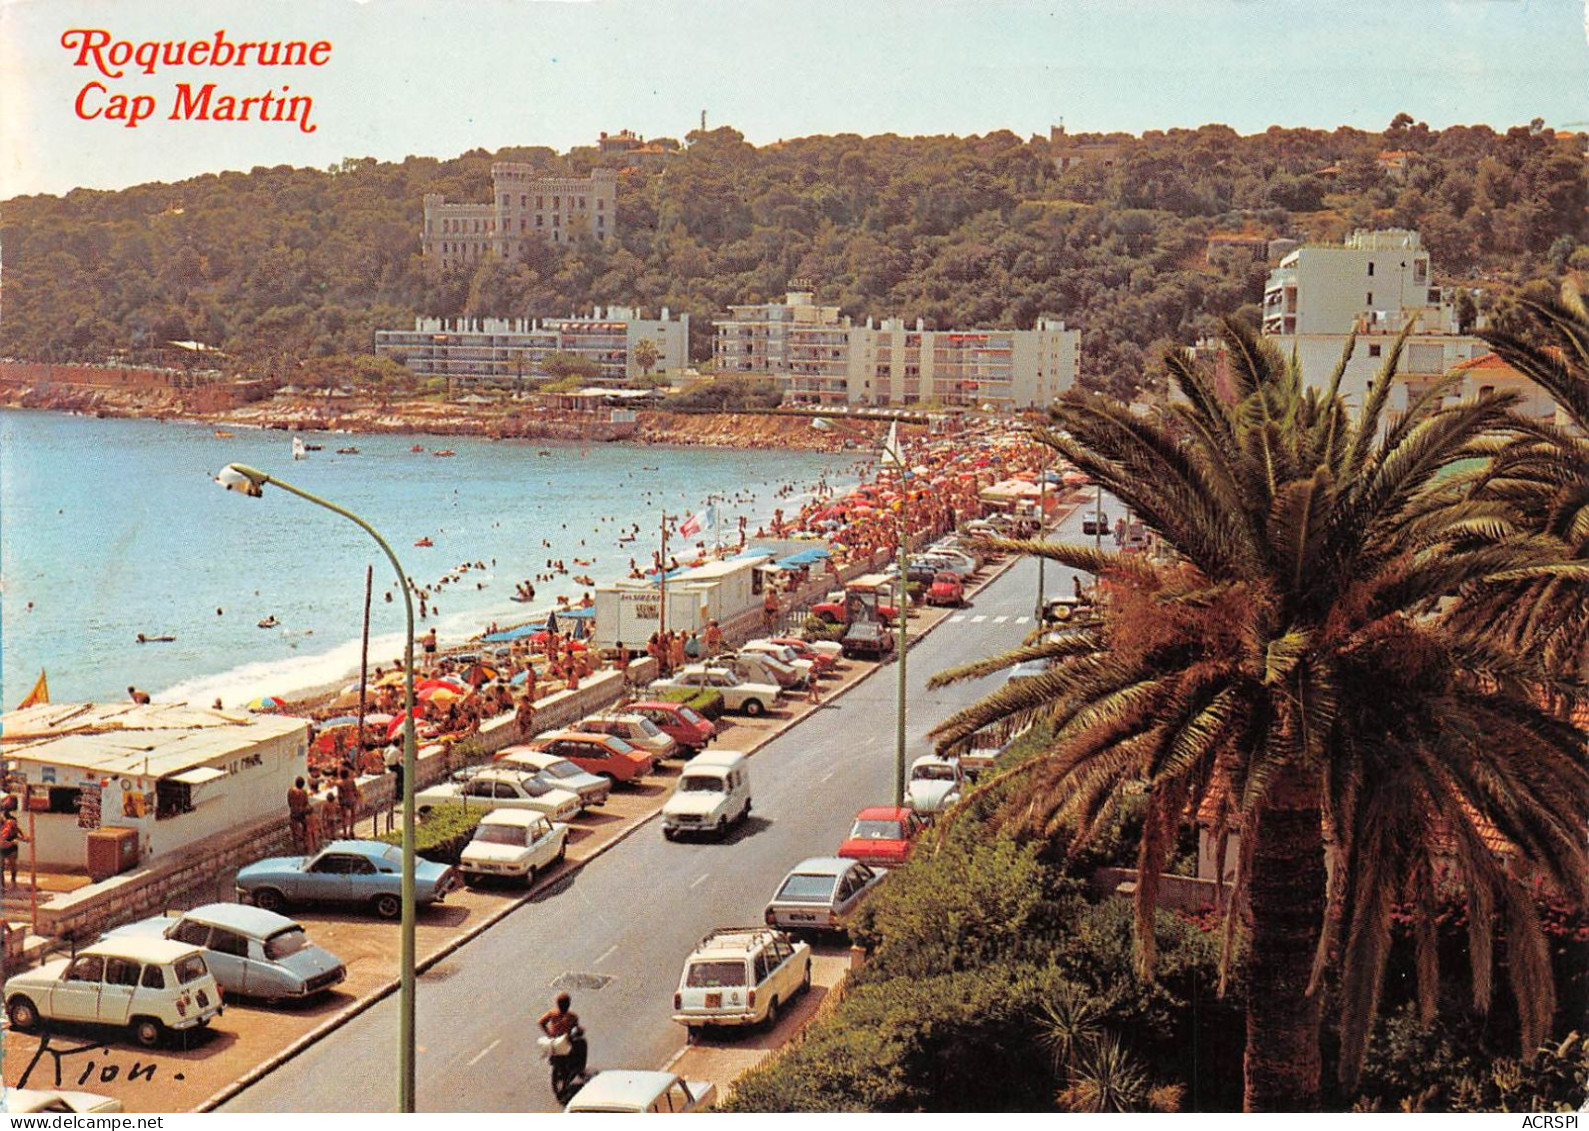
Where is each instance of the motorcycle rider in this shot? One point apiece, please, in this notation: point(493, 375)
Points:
point(561, 1021)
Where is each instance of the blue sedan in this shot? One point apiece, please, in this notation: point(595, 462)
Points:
point(344, 871)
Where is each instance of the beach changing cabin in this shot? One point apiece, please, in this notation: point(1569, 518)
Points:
point(126, 782)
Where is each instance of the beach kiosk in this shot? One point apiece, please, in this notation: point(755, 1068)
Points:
point(108, 786)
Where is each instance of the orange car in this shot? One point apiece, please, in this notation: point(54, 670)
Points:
point(604, 754)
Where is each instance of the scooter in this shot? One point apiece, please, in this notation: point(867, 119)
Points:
point(568, 1068)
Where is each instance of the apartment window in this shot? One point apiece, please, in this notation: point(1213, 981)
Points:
point(1434, 296)
point(557, 219)
point(601, 221)
point(540, 221)
point(1373, 351)
point(582, 202)
point(1370, 300)
point(1370, 268)
point(523, 201)
point(601, 205)
point(540, 202)
point(557, 202)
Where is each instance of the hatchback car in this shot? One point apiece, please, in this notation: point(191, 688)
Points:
point(882, 836)
point(149, 985)
point(251, 952)
point(511, 844)
point(605, 755)
point(685, 725)
point(868, 638)
point(934, 785)
point(627, 1090)
point(591, 788)
point(820, 893)
point(741, 976)
point(633, 728)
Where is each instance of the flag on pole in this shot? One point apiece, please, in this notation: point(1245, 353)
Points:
point(693, 525)
point(892, 452)
point(39, 694)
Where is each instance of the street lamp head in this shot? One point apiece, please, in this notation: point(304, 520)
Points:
point(244, 481)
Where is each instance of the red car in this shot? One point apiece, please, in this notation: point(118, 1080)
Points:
point(882, 836)
point(946, 589)
point(823, 661)
point(682, 724)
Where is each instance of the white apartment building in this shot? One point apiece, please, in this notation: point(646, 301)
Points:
point(511, 350)
point(524, 206)
point(820, 357)
point(1375, 284)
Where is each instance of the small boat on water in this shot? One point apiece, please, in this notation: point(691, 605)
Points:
point(444, 452)
point(268, 622)
point(544, 452)
point(424, 542)
point(298, 450)
point(222, 434)
point(347, 451)
point(162, 639)
point(314, 447)
point(417, 448)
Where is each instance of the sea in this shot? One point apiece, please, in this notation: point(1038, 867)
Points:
point(110, 528)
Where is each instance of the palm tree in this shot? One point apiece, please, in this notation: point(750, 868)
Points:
point(1283, 673)
point(1541, 474)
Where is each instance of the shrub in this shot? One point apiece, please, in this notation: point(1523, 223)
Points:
point(443, 832)
point(703, 701)
point(815, 628)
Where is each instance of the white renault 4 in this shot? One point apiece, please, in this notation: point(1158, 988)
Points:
point(741, 976)
point(713, 792)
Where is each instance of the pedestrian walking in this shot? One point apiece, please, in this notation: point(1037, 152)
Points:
point(347, 800)
point(11, 835)
point(298, 815)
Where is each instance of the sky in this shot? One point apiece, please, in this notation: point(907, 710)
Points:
point(441, 77)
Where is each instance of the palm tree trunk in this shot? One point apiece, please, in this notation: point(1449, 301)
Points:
point(1285, 901)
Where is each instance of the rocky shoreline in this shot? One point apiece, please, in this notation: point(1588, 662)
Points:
point(495, 420)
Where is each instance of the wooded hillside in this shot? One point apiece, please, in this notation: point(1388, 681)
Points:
point(282, 264)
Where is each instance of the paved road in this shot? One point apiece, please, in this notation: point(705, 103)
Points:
point(626, 922)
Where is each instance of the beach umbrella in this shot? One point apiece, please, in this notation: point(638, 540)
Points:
point(349, 698)
point(439, 696)
point(339, 721)
point(395, 727)
point(390, 679)
point(378, 719)
point(477, 674)
point(265, 703)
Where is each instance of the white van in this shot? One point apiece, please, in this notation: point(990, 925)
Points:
point(712, 793)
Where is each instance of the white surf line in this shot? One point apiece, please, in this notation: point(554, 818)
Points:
point(481, 1055)
point(699, 880)
point(606, 954)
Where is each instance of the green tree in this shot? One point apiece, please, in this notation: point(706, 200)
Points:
point(1281, 673)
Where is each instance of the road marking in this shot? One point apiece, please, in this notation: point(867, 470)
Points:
point(957, 618)
point(699, 880)
point(1000, 620)
point(1022, 620)
point(978, 619)
point(606, 954)
point(479, 1056)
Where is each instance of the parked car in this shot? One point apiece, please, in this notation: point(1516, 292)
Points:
point(738, 695)
point(815, 650)
point(947, 589)
point(149, 985)
point(758, 667)
point(605, 755)
point(713, 792)
point(344, 871)
point(962, 547)
point(686, 726)
point(1028, 669)
point(934, 786)
point(251, 952)
point(983, 751)
point(512, 844)
point(741, 976)
point(948, 560)
point(869, 639)
point(883, 836)
point(501, 787)
point(1095, 522)
point(1057, 610)
point(592, 789)
point(820, 893)
point(629, 1090)
point(633, 728)
point(785, 655)
point(34, 1101)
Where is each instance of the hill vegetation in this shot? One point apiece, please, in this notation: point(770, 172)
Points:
point(281, 265)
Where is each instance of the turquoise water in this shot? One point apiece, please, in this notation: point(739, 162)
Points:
point(113, 527)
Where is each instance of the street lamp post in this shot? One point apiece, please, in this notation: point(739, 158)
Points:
point(1042, 515)
point(251, 482)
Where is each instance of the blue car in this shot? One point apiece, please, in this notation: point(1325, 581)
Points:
point(251, 952)
point(344, 871)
